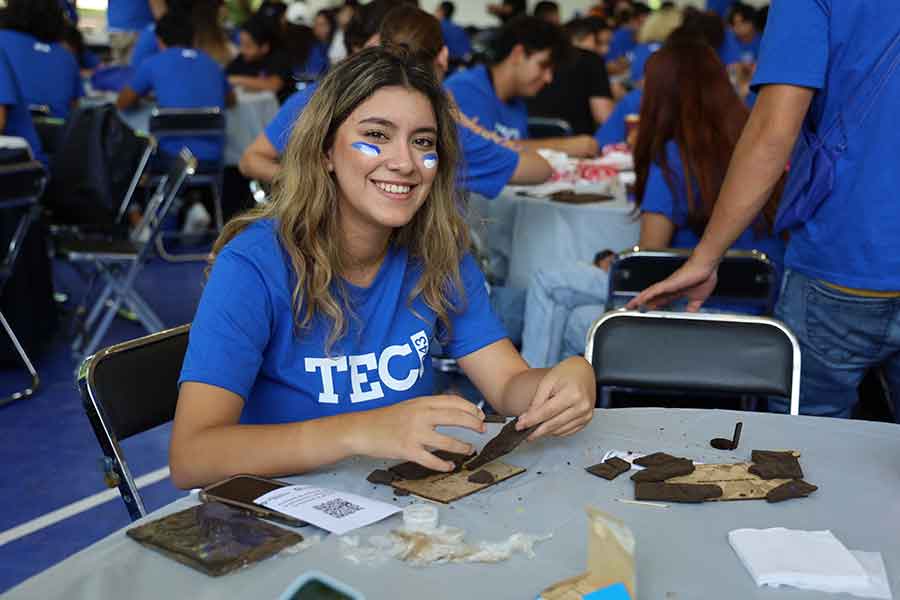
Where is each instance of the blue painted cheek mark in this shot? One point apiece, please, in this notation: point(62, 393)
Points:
point(430, 161)
point(367, 149)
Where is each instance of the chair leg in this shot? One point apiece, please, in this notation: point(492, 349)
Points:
point(147, 316)
point(92, 317)
point(102, 327)
point(35, 380)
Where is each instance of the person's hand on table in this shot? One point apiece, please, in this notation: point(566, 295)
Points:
point(695, 281)
point(406, 430)
point(564, 401)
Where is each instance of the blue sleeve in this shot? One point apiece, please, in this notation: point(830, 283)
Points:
point(89, 60)
point(730, 52)
point(486, 166)
point(279, 129)
point(77, 83)
point(613, 129)
point(622, 42)
point(9, 88)
point(658, 196)
point(472, 102)
point(799, 29)
point(232, 326)
point(476, 325)
point(144, 47)
point(142, 80)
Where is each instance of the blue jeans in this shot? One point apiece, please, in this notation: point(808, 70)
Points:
point(841, 337)
point(551, 297)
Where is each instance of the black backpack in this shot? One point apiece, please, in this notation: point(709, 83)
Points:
point(93, 167)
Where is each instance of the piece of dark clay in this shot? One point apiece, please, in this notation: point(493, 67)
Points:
point(401, 492)
point(502, 444)
point(732, 444)
point(481, 476)
point(676, 492)
point(609, 469)
point(652, 460)
point(413, 471)
point(672, 468)
point(381, 477)
point(796, 488)
point(768, 464)
point(494, 419)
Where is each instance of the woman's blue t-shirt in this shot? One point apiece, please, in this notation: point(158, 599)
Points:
point(244, 337)
point(659, 198)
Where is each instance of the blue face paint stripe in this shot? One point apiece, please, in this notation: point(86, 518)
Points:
point(367, 149)
point(429, 161)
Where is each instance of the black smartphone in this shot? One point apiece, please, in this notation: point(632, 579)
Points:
point(241, 490)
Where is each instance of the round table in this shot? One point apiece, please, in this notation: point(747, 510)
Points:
point(682, 551)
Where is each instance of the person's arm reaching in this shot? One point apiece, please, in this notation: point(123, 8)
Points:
point(656, 231)
point(260, 160)
point(759, 160)
point(601, 108)
point(531, 170)
point(583, 146)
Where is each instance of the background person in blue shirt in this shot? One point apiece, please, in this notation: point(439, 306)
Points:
point(841, 290)
point(456, 38)
point(310, 343)
point(15, 119)
point(742, 40)
point(47, 73)
point(125, 20)
point(180, 77)
point(690, 121)
point(523, 56)
point(487, 165)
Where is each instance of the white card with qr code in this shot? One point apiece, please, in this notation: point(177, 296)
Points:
point(337, 512)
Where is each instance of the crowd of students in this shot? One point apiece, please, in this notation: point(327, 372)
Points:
point(311, 342)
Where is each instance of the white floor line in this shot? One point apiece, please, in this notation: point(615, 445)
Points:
point(75, 508)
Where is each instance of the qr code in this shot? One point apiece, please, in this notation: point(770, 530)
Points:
point(338, 508)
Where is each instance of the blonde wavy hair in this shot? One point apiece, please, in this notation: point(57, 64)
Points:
point(659, 25)
point(305, 196)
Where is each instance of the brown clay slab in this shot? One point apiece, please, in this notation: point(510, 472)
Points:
point(654, 460)
point(500, 445)
point(609, 469)
point(446, 488)
point(673, 468)
point(795, 488)
point(736, 481)
point(676, 492)
point(412, 470)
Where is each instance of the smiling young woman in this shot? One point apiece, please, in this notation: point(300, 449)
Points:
point(311, 342)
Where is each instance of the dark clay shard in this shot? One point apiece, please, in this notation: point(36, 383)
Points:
point(653, 460)
point(494, 419)
point(768, 464)
point(381, 477)
point(503, 443)
point(676, 492)
point(609, 469)
point(672, 468)
point(792, 489)
point(401, 492)
point(732, 444)
point(412, 471)
point(481, 476)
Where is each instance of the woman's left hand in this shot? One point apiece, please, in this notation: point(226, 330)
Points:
point(564, 401)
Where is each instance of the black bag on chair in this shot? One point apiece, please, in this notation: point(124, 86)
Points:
point(93, 167)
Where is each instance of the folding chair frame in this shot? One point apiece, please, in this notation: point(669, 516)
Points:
point(28, 201)
point(214, 115)
point(116, 471)
point(110, 264)
point(708, 318)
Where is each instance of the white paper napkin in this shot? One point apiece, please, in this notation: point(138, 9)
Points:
point(810, 560)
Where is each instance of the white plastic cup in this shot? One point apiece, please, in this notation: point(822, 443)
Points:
point(420, 517)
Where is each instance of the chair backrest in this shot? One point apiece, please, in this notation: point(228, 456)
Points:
point(167, 189)
point(50, 131)
point(544, 127)
point(745, 277)
point(696, 352)
point(21, 186)
point(187, 122)
point(39, 110)
point(127, 389)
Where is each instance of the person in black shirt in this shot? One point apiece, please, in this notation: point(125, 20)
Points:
point(260, 65)
point(580, 92)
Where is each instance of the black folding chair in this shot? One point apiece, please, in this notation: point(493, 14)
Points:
point(193, 122)
point(120, 262)
point(21, 185)
point(695, 352)
point(745, 277)
point(546, 127)
point(127, 389)
point(49, 129)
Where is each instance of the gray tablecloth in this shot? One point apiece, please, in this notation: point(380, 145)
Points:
point(537, 233)
point(682, 551)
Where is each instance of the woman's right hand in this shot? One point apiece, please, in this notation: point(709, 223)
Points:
point(406, 430)
point(694, 281)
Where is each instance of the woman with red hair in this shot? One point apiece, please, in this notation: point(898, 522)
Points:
point(691, 119)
